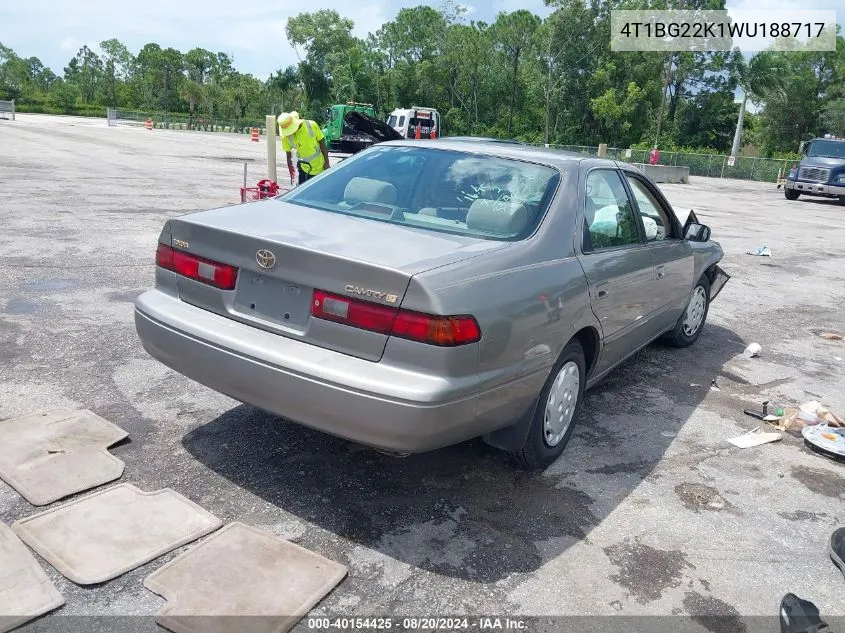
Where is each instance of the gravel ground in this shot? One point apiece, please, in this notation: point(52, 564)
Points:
point(650, 512)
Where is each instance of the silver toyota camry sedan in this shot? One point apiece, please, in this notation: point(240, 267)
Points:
point(420, 294)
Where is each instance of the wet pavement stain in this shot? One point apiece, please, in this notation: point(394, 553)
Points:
point(646, 572)
point(124, 296)
point(699, 497)
point(802, 515)
point(16, 305)
point(628, 467)
point(48, 285)
point(713, 614)
point(823, 482)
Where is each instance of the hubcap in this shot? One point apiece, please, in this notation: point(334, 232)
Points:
point(560, 405)
point(695, 311)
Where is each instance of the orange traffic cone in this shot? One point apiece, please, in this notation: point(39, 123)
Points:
point(433, 134)
point(255, 134)
point(418, 133)
point(149, 124)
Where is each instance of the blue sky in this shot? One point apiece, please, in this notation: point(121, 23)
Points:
point(253, 33)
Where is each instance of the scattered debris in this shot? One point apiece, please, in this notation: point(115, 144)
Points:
point(752, 350)
point(809, 414)
point(816, 413)
point(762, 251)
point(668, 434)
point(826, 438)
point(831, 336)
point(755, 437)
point(694, 384)
point(714, 386)
point(760, 415)
point(837, 548)
point(799, 616)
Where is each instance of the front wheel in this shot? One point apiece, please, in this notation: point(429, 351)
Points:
point(691, 322)
point(557, 409)
point(790, 194)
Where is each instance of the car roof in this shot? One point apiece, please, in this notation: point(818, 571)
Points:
point(553, 157)
point(485, 139)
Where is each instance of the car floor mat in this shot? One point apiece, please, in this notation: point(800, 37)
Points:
point(242, 579)
point(108, 533)
point(25, 590)
point(52, 455)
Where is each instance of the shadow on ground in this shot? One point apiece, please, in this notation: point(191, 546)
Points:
point(465, 511)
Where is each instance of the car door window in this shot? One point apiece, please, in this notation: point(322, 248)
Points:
point(610, 220)
point(655, 221)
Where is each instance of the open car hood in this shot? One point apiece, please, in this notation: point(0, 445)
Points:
point(362, 125)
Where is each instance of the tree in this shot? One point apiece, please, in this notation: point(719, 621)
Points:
point(759, 77)
point(85, 71)
point(117, 62)
point(64, 95)
point(514, 32)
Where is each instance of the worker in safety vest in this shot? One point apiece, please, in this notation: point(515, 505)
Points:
point(311, 151)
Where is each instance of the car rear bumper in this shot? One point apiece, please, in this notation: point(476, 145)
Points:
point(815, 188)
point(366, 402)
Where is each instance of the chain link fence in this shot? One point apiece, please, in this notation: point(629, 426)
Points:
point(196, 122)
point(708, 165)
point(7, 109)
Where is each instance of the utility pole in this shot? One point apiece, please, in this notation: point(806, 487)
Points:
point(166, 97)
point(665, 88)
point(663, 99)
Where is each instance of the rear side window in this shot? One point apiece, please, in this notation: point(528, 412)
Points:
point(608, 211)
point(438, 190)
point(392, 120)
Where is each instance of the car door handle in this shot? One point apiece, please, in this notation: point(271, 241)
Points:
point(661, 272)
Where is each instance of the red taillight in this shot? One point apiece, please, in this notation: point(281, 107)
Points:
point(436, 330)
point(362, 314)
point(445, 331)
point(199, 269)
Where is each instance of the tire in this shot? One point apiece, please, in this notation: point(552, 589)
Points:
point(790, 194)
point(683, 335)
point(537, 450)
point(842, 200)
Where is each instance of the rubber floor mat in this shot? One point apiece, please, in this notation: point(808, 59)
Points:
point(49, 456)
point(105, 534)
point(242, 580)
point(25, 590)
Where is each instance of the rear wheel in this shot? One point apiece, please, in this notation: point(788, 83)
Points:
point(842, 200)
point(691, 322)
point(557, 409)
point(790, 194)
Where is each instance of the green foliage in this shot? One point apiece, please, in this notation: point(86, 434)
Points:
point(553, 81)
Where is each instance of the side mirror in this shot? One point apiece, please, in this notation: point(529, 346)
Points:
point(697, 232)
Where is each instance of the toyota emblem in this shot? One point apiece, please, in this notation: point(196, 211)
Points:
point(265, 258)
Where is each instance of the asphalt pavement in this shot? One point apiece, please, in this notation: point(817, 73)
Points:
point(649, 511)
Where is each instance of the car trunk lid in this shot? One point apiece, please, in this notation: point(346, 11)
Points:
point(283, 252)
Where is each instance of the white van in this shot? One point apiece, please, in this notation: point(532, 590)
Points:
point(406, 122)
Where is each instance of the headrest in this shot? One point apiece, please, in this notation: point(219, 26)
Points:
point(493, 216)
point(369, 190)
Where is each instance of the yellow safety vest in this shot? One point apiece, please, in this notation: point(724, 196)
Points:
point(307, 141)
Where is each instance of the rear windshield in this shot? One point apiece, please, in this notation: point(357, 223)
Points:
point(439, 190)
